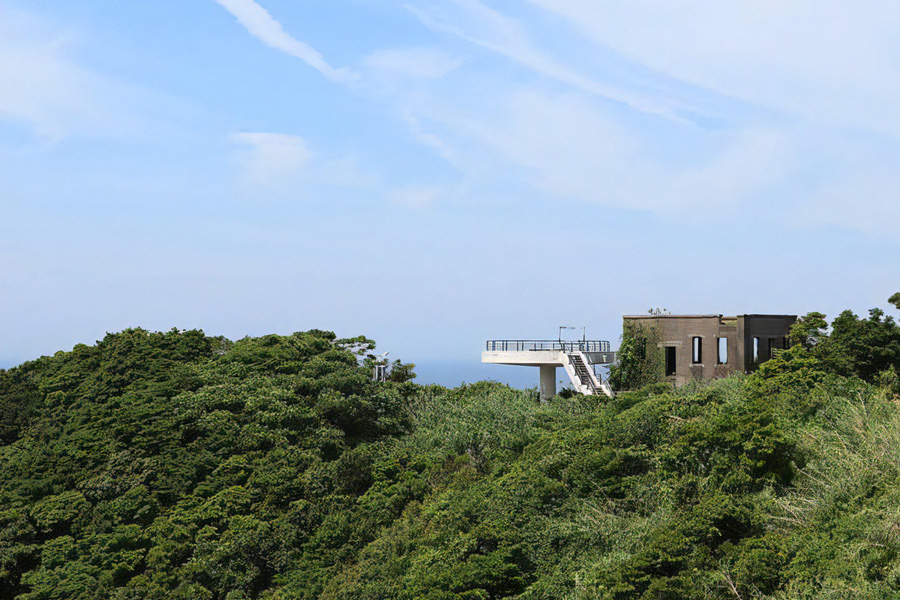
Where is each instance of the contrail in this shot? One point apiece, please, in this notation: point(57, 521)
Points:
point(261, 25)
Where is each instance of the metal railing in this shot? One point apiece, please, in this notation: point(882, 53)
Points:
point(526, 345)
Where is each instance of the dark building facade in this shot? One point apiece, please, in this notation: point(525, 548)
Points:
point(712, 346)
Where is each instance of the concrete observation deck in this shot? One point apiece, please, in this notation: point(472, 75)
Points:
point(577, 358)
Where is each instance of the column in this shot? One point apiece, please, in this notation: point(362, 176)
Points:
point(548, 382)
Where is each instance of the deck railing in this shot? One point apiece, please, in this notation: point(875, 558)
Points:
point(526, 345)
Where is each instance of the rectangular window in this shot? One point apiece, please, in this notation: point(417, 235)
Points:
point(670, 361)
point(771, 348)
point(756, 350)
point(723, 351)
point(697, 350)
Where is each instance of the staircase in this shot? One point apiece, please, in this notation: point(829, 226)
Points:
point(583, 377)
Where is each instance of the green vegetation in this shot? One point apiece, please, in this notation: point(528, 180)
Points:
point(176, 465)
point(640, 361)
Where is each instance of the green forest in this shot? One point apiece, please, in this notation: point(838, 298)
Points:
point(176, 465)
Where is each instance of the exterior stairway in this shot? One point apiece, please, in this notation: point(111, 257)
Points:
point(583, 377)
point(578, 358)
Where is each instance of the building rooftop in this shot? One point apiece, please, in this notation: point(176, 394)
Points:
point(672, 316)
point(702, 316)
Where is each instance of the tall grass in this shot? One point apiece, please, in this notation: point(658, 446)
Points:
point(853, 454)
point(846, 499)
point(485, 420)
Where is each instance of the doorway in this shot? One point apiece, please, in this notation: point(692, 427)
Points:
point(670, 361)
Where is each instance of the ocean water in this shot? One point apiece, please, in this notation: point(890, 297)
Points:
point(452, 373)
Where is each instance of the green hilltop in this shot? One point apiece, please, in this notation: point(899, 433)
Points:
point(181, 466)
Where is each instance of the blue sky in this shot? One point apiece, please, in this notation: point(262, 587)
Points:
point(433, 174)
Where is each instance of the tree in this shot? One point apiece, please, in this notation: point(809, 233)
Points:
point(895, 300)
point(808, 330)
point(401, 372)
point(860, 347)
point(359, 345)
point(639, 361)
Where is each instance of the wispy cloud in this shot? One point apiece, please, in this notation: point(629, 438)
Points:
point(727, 137)
point(568, 146)
point(261, 25)
point(285, 166)
point(416, 63)
point(55, 96)
point(444, 149)
point(485, 27)
point(831, 61)
point(273, 158)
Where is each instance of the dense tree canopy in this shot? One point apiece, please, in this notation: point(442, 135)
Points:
point(176, 465)
point(866, 348)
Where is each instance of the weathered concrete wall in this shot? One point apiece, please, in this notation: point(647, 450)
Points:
point(770, 330)
point(679, 331)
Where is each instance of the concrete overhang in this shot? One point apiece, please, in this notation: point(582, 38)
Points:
point(527, 358)
point(542, 358)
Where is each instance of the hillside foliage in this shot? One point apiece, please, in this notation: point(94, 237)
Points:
point(178, 465)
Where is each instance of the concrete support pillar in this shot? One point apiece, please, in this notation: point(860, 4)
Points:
point(548, 382)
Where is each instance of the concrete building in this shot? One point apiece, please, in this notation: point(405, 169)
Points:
point(712, 346)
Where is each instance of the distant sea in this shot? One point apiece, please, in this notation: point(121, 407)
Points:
point(451, 373)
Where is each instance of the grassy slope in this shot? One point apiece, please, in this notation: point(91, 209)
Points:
point(179, 466)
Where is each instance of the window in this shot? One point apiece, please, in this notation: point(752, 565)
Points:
point(670, 361)
point(756, 350)
point(696, 350)
point(722, 357)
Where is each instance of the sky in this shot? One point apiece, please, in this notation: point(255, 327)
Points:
point(432, 174)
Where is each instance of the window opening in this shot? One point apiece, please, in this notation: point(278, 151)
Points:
point(755, 350)
point(670, 361)
point(723, 351)
point(697, 350)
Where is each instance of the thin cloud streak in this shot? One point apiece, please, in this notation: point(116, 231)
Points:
point(593, 156)
point(412, 63)
point(509, 40)
point(262, 26)
point(831, 61)
point(569, 147)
